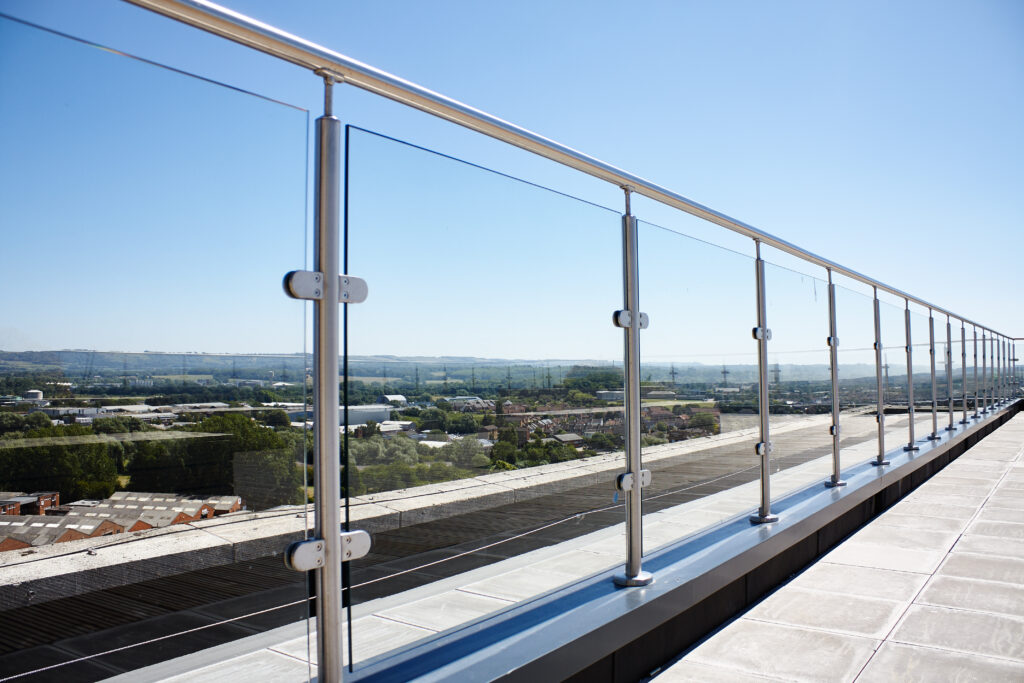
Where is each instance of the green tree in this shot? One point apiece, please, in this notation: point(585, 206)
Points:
point(276, 418)
point(503, 452)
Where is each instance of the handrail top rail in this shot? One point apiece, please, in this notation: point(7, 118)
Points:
point(239, 28)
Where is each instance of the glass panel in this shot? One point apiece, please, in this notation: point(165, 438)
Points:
point(974, 378)
point(943, 373)
point(957, 358)
point(151, 475)
point(894, 375)
point(858, 382)
point(800, 383)
point(484, 380)
point(699, 386)
point(922, 374)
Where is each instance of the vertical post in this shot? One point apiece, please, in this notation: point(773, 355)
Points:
point(963, 368)
point(911, 446)
point(833, 352)
point(1006, 365)
point(999, 367)
point(632, 481)
point(949, 374)
point(976, 415)
point(1002, 369)
point(1016, 379)
point(764, 447)
point(984, 372)
point(935, 396)
point(880, 417)
point(994, 384)
point(326, 319)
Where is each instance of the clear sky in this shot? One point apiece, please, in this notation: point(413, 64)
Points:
point(884, 136)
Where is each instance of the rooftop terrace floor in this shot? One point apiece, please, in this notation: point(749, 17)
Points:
point(933, 589)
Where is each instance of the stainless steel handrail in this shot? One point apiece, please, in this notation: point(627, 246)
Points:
point(241, 29)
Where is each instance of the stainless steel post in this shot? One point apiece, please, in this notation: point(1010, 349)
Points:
point(984, 372)
point(631, 482)
point(949, 374)
point(1002, 369)
point(935, 396)
point(833, 352)
point(326, 321)
point(963, 368)
point(976, 415)
point(997, 369)
point(764, 447)
point(880, 417)
point(998, 388)
point(911, 445)
point(1006, 367)
point(1016, 379)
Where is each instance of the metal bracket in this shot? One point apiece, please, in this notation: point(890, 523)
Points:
point(877, 346)
point(762, 333)
point(624, 482)
point(308, 285)
point(833, 342)
point(354, 545)
point(763, 448)
point(303, 556)
point(624, 319)
point(834, 430)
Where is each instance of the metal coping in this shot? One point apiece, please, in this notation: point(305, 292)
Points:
point(337, 67)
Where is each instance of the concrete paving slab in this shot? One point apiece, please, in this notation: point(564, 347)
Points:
point(838, 613)
point(1007, 498)
point(962, 631)
point(694, 672)
point(990, 545)
point(979, 490)
point(971, 594)
point(881, 557)
point(914, 664)
point(578, 562)
point(905, 539)
point(262, 665)
point(760, 648)
point(519, 584)
point(936, 499)
point(998, 529)
point(990, 514)
point(910, 521)
point(957, 512)
point(984, 567)
point(862, 581)
point(446, 610)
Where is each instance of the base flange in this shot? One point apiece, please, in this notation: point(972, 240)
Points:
point(641, 579)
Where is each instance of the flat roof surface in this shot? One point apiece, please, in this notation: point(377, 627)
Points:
point(933, 589)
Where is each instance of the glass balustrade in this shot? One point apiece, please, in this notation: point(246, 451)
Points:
point(156, 410)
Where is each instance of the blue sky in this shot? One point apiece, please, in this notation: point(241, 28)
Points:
point(884, 136)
